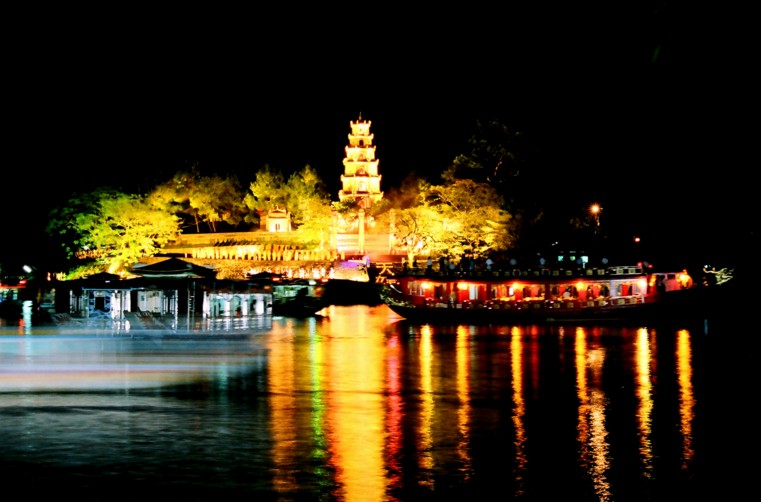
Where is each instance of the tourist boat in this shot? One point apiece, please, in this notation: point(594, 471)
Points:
point(497, 297)
point(292, 297)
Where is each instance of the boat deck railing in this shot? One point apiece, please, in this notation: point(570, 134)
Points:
point(393, 269)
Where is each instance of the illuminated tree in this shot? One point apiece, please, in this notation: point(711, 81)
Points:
point(461, 216)
point(208, 200)
point(217, 200)
point(500, 157)
point(473, 218)
point(61, 219)
point(307, 199)
point(418, 230)
point(310, 206)
point(266, 192)
point(304, 196)
point(114, 229)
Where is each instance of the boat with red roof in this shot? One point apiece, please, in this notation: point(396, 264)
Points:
point(612, 293)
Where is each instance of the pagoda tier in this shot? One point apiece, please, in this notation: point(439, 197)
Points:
point(360, 180)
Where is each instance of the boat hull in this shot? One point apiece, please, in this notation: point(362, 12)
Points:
point(298, 307)
point(616, 310)
point(433, 315)
point(297, 299)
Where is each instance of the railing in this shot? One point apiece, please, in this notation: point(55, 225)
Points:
point(390, 269)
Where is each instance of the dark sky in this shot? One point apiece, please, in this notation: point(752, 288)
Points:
point(646, 109)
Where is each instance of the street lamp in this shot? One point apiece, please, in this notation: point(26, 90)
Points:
point(595, 210)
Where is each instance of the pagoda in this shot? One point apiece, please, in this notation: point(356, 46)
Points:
point(360, 180)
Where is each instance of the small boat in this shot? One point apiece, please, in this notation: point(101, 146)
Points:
point(617, 293)
point(293, 297)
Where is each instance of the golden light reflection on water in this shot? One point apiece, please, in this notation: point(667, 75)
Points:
point(644, 393)
point(283, 401)
point(463, 394)
point(359, 433)
point(686, 394)
point(340, 382)
point(592, 434)
point(519, 406)
point(425, 438)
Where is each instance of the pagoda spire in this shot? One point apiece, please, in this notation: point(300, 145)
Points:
point(360, 180)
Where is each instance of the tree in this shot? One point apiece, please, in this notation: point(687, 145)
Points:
point(114, 229)
point(309, 204)
point(266, 192)
point(304, 196)
point(499, 157)
point(419, 230)
point(210, 200)
point(476, 222)
point(458, 217)
point(216, 199)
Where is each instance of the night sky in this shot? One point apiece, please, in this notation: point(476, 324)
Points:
point(647, 110)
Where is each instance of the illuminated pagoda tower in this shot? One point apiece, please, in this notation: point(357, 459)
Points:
point(360, 179)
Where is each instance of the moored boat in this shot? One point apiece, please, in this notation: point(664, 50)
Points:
point(293, 297)
point(616, 293)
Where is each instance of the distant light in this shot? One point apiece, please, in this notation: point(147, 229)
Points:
point(27, 269)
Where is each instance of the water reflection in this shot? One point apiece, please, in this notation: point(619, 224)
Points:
point(359, 405)
point(593, 435)
point(686, 394)
point(644, 393)
point(334, 379)
point(519, 408)
point(464, 418)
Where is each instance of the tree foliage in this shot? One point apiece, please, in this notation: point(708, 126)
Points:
point(308, 202)
point(266, 192)
point(419, 230)
point(476, 220)
point(303, 195)
point(499, 156)
point(208, 200)
point(113, 228)
point(61, 222)
point(458, 217)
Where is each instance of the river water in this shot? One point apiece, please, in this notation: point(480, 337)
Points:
point(361, 405)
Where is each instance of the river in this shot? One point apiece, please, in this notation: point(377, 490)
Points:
point(358, 404)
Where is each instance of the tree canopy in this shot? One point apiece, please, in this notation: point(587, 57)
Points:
point(303, 195)
point(112, 228)
point(455, 218)
point(208, 200)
